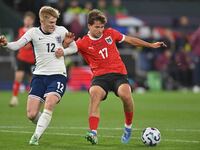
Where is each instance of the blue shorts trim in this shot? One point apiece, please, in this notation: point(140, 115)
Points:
point(36, 97)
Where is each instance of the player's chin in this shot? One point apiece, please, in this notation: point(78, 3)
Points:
point(51, 30)
point(98, 35)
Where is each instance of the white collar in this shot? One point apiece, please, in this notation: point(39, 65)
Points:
point(92, 38)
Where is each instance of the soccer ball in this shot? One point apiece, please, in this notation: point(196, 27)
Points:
point(151, 136)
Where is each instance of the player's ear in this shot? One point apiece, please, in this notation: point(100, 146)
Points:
point(89, 26)
point(41, 21)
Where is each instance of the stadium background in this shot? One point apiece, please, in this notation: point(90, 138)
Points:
point(171, 21)
point(175, 111)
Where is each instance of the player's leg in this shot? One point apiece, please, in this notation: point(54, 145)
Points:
point(22, 68)
point(33, 113)
point(45, 118)
point(35, 98)
point(97, 94)
point(56, 85)
point(124, 92)
point(33, 109)
point(19, 75)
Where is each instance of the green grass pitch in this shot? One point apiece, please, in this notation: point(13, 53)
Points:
point(175, 114)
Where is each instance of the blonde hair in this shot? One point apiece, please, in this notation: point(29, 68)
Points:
point(46, 12)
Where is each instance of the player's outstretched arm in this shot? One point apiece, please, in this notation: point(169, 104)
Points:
point(13, 45)
point(3, 40)
point(138, 42)
point(69, 46)
point(71, 49)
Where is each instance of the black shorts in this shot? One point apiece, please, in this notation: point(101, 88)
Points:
point(24, 66)
point(110, 82)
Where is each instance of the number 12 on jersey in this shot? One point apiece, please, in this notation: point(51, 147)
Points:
point(51, 47)
point(104, 53)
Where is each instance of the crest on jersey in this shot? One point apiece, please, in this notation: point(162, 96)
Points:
point(58, 39)
point(109, 40)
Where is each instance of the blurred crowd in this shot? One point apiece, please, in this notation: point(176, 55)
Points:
point(178, 65)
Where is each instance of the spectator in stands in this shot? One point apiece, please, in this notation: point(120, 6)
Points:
point(195, 43)
point(73, 18)
point(162, 60)
point(119, 17)
point(182, 25)
point(25, 59)
point(117, 9)
point(184, 72)
point(102, 6)
point(61, 6)
point(88, 6)
point(162, 65)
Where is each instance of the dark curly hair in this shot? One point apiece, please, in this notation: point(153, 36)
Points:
point(96, 15)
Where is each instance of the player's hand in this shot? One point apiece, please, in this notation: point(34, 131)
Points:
point(69, 37)
point(59, 53)
point(3, 40)
point(158, 44)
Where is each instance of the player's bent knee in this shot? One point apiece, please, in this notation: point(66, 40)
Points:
point(31, 115)
point(96, 96)
point(49, 106)
point(125, 96)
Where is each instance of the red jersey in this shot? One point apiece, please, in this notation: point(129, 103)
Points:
point(25, 53)
point(102, 54)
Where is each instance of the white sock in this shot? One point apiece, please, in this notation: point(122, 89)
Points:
point(95, 131)
point(43, 122)
point(37, 118)
point(128, 126)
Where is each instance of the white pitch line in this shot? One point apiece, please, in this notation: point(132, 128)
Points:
point(101, 128)
point(105, 136)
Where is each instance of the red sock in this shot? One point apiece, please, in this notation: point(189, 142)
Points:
point(128, 118)
point(28, 88)
point(93, 122)
point(15, 89)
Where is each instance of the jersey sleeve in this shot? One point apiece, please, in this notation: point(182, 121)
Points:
point(71, 49)
point(118, 37)
point(79, 45)
point(63, 31)
point(22, 41)
point(28, 35)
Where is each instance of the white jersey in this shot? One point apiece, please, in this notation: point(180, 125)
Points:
point(44, 46)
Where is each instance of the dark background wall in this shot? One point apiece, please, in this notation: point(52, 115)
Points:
point(163, 7)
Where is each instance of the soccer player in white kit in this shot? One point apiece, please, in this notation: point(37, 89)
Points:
point(49, 76)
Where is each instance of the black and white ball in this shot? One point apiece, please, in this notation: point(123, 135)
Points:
point(151, 136)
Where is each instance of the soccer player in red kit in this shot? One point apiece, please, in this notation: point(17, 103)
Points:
point(25, 58)
point(99, 50)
